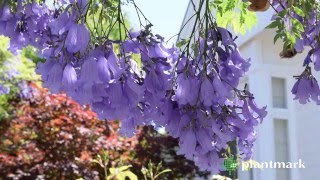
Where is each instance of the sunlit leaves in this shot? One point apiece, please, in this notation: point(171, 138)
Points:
point(234, 13)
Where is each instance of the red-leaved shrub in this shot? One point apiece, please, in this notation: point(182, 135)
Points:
point(53, 137)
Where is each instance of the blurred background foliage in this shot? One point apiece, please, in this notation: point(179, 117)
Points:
point(50, 136)
point(15, 71)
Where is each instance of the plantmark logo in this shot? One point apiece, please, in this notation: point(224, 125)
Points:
point(230, 164)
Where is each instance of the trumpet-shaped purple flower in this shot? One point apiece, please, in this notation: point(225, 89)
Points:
point(209, 162)
point(187, 143)
point(316, 57)
point(69, 78)
point(54, 78)
point(207, 93)
point(78, 38)
point(249, 109)
point(61, 24)
point(204, 139)
point(306, 88)
point(225, 37)
point(187, 90)
point(104, 71)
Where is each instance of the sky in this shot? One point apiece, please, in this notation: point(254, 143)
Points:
point(165, 15)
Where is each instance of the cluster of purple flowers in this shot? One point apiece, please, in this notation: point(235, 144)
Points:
point(195, 99)
point(306, 88)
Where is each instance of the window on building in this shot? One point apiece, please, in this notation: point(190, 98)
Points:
point(279, 99)
point(281, 147)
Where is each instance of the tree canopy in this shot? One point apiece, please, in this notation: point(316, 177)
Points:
point(190, 89)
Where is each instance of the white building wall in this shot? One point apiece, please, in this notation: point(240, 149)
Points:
point(303, 122)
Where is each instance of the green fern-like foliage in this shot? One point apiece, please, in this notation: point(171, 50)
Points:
point(234, 14)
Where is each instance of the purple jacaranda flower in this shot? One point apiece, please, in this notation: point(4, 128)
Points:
point(239, 61)
point(83, 5)
point(26, 26)
point(187, 90)
point(5, 15)
point(105, 75)
point(246, 146)
point(261, 112)
point(240, 127)
point(107, 66)
point(54, 78)
point(230, 73)
point(157, 82)
point(299, 46)
point(127, 128)
point(43, 69)
point(204, 138)
point(157, 51)
point(209, 162)
point(78, 38)
point(117, 97)
point(129, 124)
point(119, 101)
point(221, 137)
point(316, 58)
point(69, 78)
point(61, 24)
point(222, 90)
point(249, 109)
point(187, 143)
point(131, 45)
point(225, 36)
point(87, 79)
point(306, 88)
point(207, 94)
point(232, 68)
point(133, 91)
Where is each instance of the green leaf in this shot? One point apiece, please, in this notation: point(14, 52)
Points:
point(234, 13)
point(283, 13)
point(299, 11)
point(276, 37)
point(274, 24)
point(182, 42)
point(297, 24)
